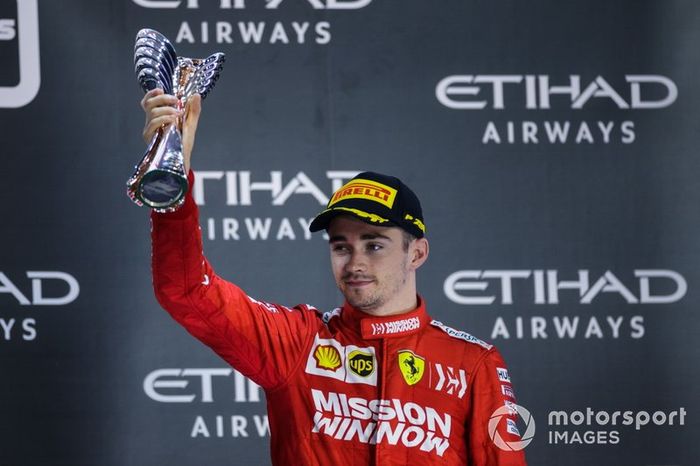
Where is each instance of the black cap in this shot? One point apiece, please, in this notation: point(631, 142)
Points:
point(376, 199)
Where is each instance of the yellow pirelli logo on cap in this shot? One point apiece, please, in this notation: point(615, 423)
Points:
point(365, 189)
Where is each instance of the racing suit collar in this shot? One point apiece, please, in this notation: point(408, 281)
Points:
point(399, 325)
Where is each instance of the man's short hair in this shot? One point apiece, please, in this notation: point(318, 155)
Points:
point(407, 238)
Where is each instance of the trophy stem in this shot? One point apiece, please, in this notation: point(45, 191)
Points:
point(160, 181)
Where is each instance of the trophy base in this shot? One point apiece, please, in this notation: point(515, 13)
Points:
point(162, 190)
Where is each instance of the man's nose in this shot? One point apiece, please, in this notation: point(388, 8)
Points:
point(356, 263)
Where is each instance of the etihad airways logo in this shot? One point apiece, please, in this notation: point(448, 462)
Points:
point(653, 286)
point(464, 92)
point(250, 30)
point(501, 92)
point(38, 296)
point(270, 188)
point(243, 4)
point(241, 187)
point(378, 421)
point(548, 287)
point(48, 288)
point(209, 386)
point(198, 385)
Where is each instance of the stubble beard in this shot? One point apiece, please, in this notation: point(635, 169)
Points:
point(379, 297)
point(364, 302)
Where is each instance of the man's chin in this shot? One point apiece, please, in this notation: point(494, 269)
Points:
point(363, 303)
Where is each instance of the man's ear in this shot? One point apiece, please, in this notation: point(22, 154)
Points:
point(418, 252)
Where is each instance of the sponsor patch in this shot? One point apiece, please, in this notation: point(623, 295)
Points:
point(349, 364)
point(327, 357)
point(460, 334)
point(365, 189)
point(374, 329)
point(327, 316)
point(512, 428)
point(361, 362)
point(512, 407)
point(450, 380)
point(412, 366)
point(381, 422)
point(502, 374)
point(507, 390)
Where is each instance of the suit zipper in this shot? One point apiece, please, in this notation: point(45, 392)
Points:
point(382, 392)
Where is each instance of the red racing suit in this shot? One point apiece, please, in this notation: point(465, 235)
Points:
point(342, 387)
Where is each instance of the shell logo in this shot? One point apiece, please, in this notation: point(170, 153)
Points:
point(327, 357)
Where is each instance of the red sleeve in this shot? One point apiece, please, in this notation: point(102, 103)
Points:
point(493, 441)
point(263, 341)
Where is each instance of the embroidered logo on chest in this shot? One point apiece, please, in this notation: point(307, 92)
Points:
point(412, 366)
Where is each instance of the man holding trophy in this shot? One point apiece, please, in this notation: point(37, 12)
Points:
point(375, 382)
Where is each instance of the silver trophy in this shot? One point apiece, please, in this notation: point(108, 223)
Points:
point(160, 181)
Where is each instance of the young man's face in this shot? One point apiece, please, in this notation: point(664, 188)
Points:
point(371, 267)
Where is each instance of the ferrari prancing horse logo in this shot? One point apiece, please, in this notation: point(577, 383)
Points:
point(412, 366)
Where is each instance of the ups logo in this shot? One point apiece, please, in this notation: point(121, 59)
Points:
point(361, 363)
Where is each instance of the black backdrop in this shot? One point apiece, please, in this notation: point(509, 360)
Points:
point(553, 145)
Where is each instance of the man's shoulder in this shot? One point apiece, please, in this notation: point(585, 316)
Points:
point(324, 316)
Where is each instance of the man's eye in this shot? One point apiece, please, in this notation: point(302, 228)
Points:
point(374, 246)
point(340, 248)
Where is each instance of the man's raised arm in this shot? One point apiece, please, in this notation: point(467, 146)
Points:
point(263, 341)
